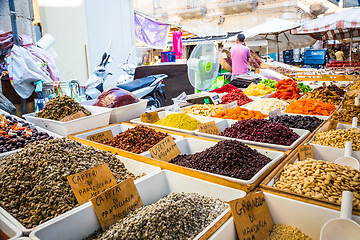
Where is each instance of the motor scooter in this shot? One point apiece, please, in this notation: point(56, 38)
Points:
point(95, 84)
point(149, 87)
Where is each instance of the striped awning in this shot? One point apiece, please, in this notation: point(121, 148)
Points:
point(334, 26)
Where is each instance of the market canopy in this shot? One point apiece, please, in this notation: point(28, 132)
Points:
point(277, 34)
point(335, 26)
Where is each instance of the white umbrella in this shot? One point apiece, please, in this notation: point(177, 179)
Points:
point(336, 26)
point(277, 34)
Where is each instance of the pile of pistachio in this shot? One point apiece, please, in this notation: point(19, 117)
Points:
point(33, 181)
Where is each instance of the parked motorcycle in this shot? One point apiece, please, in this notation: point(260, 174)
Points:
point(149, 87)
point(95, 84)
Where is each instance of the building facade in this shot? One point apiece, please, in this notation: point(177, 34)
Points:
point(212, 17)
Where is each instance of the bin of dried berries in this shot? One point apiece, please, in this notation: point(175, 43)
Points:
point(229, 158)
point(236, 95)
point(261, 130)
point(296, 121)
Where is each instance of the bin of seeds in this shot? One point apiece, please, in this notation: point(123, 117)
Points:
point(179, 206)
point(64, 116)
point(34, 185)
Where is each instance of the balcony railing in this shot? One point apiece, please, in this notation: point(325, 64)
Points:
point(193, 9)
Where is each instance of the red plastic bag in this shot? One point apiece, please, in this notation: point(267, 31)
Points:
point(115, 97)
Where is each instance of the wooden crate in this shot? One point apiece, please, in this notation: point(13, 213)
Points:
point(177, 168)
point(269, 181)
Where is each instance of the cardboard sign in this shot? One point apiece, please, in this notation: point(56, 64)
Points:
point(165, 150)
point(101, 137)
point(209, 127)
point(116, 202)
point(74, 116)
point(150, 117)
point(230, 105)
point(252, 217)
point(89, 183)
point(276, 112)
point(306, 151)
point(332, 125)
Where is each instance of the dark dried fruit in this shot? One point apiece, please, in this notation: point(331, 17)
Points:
point(229, 158)
point(296, 121)
point(137, 140)
point(260, 130)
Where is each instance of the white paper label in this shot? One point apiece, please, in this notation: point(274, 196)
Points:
point(275, 113)
point(230, 105)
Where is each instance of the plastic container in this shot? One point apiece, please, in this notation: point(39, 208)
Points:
point(40, 130)
point(307, 217)
point(165, 113)
point(124, 113)
point(133, 166)
point(227, 123)
point(115, 129)
point(191, 145)
point(9, 229)
point(84, 221)
point(99, 117)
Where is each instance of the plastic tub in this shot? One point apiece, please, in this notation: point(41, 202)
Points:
point(124, 113)
point(40, 130)
point(99, 117)
point(84, 221)
point(9, 229)
point(227, 123)
point(191, 145)
point(165, 113)
point(133, 166)
point(307, 217)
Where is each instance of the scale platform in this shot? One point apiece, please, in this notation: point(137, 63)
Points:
point(204, 97)
point(243, 81)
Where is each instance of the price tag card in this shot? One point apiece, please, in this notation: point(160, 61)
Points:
point(252, 217)
point(116, 202)
point(306, 151)
point(150, 117)
point(209, 127)
point(74, 116)
point(165, 150)
point(275, 113)
point(89, 183)
point(230, 105)
point(332, 125)
point(101, 137)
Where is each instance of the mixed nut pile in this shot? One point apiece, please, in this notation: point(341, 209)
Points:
point(325, 96)
point(320, 179)
point(338, 138)
point(176, 216)
point(61, 106)
point(347, 114)
point(229, 158)
point(33, 181)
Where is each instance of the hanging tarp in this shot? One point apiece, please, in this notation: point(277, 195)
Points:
point(151, 33)
point(333, 27)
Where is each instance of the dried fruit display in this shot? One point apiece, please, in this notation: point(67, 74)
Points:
point(236, 95)
point(267, 104)
point(137, 140)
point(183, 215)
point(261, 130)
point(61, 106)
point(225, 88)
point(286, 89)
point(325, 96)
point(229, 158)
point(310, 107)
point(333, 88)
point(239, 113)
point(296, 121)
point(203, 109)
point(347, 114)
point(257, 90)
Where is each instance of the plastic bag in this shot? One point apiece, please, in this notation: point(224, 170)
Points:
point(23, 70)
point(40, 102)
point(6, 105)
point(115, 97)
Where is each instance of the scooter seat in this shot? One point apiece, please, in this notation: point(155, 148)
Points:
point(137, 84)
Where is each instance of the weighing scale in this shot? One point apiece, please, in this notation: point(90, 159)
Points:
point(243, 81)
point(204, 97)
